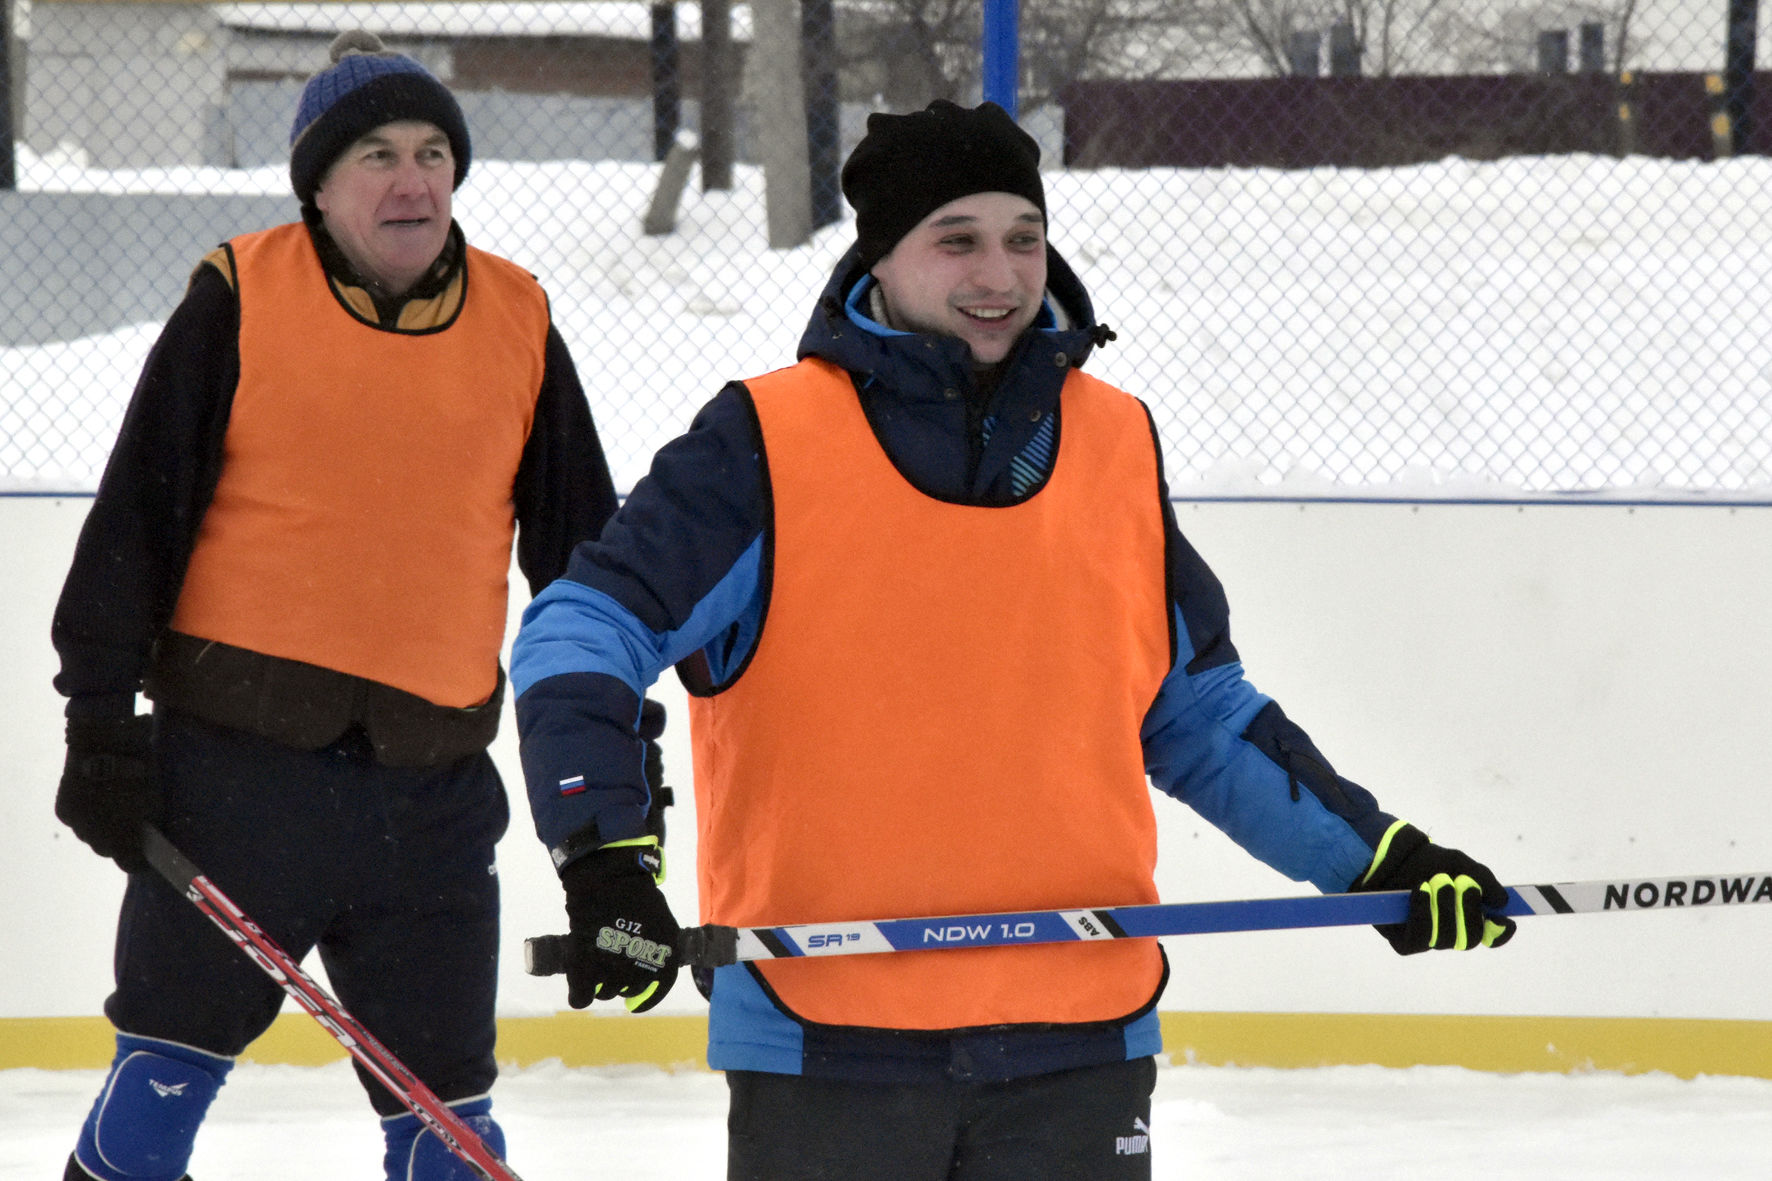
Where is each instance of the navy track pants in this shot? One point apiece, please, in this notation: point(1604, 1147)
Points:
point(388, 871)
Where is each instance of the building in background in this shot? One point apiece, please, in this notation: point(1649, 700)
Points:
point(537, 81)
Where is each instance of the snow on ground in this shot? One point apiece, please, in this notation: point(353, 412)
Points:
point(1353, 1123)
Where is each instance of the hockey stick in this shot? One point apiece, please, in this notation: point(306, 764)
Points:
point(715, 946)
point(431, 1111)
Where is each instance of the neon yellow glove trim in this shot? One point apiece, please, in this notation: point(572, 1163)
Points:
point(1384, 847)
point(640, 842)
point(1492, 931)
point(1460, 886)
point(1433, 912)
point(630, 843)
point(639, 998)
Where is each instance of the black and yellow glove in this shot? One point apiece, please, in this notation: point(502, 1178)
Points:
point(1454, 900)
point(624, 937)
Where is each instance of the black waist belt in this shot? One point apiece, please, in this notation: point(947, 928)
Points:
point(307, 707)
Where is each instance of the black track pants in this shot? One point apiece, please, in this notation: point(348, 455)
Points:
point(1091, 1124)
point(388, 871)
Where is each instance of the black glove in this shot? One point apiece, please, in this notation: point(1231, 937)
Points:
point(1451, 897)
point(108, 789)
point(624, 938)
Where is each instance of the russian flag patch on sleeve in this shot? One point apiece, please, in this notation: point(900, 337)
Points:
point(572, 785)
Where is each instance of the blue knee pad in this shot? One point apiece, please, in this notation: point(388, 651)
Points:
point(415, 1153)
point(145, 1120)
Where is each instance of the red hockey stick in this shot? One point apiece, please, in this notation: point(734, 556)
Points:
point(188, 880)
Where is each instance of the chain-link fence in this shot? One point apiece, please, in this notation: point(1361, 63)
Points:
point(1346, 247)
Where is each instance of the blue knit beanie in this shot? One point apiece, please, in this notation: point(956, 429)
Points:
point(364, 88)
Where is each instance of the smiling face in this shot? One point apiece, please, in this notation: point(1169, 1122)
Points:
point(386, 202)
point(974, 269)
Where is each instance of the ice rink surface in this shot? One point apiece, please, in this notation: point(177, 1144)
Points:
point(1359, 1123)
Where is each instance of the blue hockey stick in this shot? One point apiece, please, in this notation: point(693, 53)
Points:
point(715, 946)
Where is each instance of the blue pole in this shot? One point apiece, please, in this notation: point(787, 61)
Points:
point(8, 173)
point(1002, 53)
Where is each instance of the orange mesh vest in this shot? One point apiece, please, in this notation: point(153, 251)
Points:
point(363, 520)
point(941, 716)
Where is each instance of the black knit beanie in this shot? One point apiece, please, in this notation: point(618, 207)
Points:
point(365, 87)
point(908, 166)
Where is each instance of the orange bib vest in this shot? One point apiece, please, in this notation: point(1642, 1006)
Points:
point(941, 716)
point(363, 520)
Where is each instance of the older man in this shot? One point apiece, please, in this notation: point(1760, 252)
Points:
point(299, 551)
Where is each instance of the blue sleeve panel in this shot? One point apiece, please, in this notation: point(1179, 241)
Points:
point(676, 573)
point(580, 665)
point(1214, 742)
point(688, 521)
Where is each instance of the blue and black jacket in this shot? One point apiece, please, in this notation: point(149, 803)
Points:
point(681, 576)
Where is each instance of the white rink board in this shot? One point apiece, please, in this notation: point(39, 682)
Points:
point(1564, 691)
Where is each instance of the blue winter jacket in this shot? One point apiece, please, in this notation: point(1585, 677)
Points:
point(680, 577)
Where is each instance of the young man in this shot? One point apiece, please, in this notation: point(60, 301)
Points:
point(929, 594)
point(300, 549)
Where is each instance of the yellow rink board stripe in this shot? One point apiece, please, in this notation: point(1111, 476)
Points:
point(1680, 1047)
point(1628, 1045)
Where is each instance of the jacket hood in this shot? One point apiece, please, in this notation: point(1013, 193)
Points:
point(913, 362)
